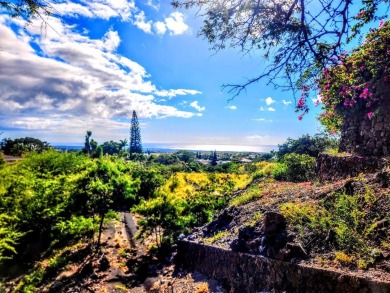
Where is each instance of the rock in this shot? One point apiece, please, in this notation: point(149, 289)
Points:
point(94, 276)
point(55, 287)
point(104, 263)
point(222, 222)
point(383, 178)
point(268, 240)
point(331, 236)
point(273, 223)
point(296, 251)
point(191, 237)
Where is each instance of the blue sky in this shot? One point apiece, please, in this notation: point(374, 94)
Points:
point(99, 60)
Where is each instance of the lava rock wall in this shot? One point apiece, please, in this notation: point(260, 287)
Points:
point(367, 136)
point(331, 168)
point(241, 272)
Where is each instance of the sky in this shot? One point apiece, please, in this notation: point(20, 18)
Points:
point(98, 60)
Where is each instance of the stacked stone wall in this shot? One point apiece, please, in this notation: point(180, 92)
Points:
point(241, 272)
point(331, 168)
point(367, 136)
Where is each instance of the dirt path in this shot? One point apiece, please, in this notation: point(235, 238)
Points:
point(122, 265)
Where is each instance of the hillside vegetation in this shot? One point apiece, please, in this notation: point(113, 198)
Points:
point(54, 207)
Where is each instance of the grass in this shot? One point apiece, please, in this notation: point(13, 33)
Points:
point(121, 287)
point(219, 235)
point(256, 218)
point(183, 184)
point(46, 269)
point(252, 193)
point(352, 218)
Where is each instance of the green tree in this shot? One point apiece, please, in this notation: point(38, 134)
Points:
point(135, 136)
point(87, 145)
point(20, 146)
point(185, 156)
point(161, 218)
point(105, 185)
point(214, 159)
point(297, 37)
point(2, 160)
point(9, 236)
point(296, 168)
point(309, 145)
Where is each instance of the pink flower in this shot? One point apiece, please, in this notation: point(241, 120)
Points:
point(369, 115)
point(361, 14)
point(365, 94)
point(301, 103)
point(300, 117)
point(381, 23)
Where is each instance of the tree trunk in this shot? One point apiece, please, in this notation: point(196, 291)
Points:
point(100, 231)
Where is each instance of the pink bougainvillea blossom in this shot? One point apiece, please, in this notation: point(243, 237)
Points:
point(355, 81)
point(301, 103)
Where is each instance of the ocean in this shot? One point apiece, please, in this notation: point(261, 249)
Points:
point(174, 147)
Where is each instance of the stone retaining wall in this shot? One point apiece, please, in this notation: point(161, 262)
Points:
point(240, 273)
point(367, 136)
point(330, 168)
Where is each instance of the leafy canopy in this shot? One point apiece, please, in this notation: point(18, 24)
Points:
point(298, 37)
point(358, 81)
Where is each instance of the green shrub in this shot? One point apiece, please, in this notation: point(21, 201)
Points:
point(351, 219)
point(280, 172)
point(2, 160)
point(75, 228)
point(298, 168)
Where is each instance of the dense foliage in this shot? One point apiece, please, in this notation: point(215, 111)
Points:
point(308, 145)
point(20, 146)
point(359, 80)
point(51, 199)
point(346, 222)
point(295, 168)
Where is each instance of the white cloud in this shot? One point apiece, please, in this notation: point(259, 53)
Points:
point(257, 137)
point(263, 120)
point(232, 107)
point(111, 40)
point(269, 101)
point(270, 109)
point(126, 10)
point(175, 23)
point(286, 103)
point(104, 9)
point(196, 106)
point(160, 27)
point(317, 100)
point(73, 79)
point(176, 92)
point(142, 24)
point(154, 4)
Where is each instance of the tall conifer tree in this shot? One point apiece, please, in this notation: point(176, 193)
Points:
point(135, 136)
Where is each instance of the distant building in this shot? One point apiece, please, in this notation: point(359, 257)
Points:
point(245, 160)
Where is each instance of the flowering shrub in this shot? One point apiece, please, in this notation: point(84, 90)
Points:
point(356, 82)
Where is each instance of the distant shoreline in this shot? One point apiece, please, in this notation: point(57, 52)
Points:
point(171, 148)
